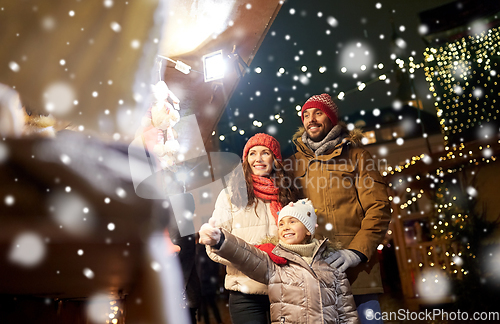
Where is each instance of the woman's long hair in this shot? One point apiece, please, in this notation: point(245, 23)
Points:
point(241, 185)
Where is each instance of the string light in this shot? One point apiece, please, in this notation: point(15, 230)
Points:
point(114, 314)
point(467, 157)
point(412, 67)
point(462, 79)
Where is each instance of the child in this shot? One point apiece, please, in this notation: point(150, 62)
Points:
point(302, 287)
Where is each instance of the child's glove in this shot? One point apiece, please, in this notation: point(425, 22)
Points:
point(343, 259)
point(209, 234)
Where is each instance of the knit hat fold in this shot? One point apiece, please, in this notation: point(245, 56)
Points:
point(303, 210)
point(261, 139)
point(324, 103)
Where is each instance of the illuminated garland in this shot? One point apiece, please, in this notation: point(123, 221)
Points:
point(456, 72)
point(450, 219)
point(459, 75)
point(470, 157)
point(412, 199)
point(114, 314)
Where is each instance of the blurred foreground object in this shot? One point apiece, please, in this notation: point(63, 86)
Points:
point(72, 229)
point(11, 112)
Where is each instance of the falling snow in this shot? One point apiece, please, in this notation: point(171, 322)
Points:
point(332, 21)
point(98, 306)
point(108, 3)
point(48, 23)
point(27, 250)
point(135, 44)
point(9, 200)
point(115, 26)
point(58, 98)
point(293, 76)
point(120, 192)
point(14, 66)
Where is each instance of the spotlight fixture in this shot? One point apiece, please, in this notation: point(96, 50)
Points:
point(213, 66)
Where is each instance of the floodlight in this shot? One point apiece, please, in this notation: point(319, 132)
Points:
point(213, 66)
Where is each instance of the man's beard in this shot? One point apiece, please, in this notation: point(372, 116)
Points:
point(318, 137)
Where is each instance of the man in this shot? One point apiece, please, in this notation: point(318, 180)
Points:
point(343, 183)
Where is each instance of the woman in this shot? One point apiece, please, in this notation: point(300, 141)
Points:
point(248, 208)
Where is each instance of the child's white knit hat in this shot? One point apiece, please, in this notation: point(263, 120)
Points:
point(303, 210)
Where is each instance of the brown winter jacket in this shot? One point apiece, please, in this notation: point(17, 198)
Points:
point(351, 199)
point(298, 292)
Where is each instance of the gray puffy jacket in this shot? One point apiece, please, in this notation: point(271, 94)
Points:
point(298, 292)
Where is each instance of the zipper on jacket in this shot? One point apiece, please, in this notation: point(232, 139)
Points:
point(309, 266)
point(282, 319)
point(319, 248)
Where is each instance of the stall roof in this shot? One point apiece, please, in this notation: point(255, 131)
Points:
point(90, 63)
point(233, 26)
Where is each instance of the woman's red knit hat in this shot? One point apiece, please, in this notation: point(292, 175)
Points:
point(261, 139)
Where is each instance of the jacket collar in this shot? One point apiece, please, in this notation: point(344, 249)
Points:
point(294, 257)
point(336, 151)
point(354, 139)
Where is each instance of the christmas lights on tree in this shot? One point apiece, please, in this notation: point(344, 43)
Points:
point(462, 77)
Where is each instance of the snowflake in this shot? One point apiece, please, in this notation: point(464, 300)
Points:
point(27, 249)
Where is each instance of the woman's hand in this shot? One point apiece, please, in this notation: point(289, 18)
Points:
point(209, 234)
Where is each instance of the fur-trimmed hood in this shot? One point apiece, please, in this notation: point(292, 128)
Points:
point(354, 136)
point(38, 124)
point(43, 125)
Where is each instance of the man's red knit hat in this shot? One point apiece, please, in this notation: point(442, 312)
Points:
point(324, 103)
point(264, 140)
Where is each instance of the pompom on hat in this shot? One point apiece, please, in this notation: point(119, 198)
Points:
point(303, 210)
point(324, 103)
point(261, 139)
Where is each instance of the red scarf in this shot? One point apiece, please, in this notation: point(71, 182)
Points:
point(264, 188)
point(268, 248)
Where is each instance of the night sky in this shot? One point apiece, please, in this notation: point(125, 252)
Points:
point(311, 35)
